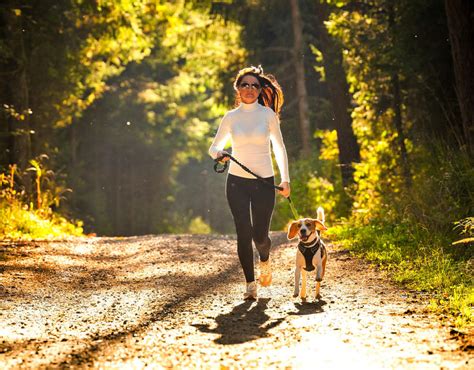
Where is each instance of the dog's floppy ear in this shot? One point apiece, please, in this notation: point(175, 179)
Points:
point(319, 225)
point(292, 230)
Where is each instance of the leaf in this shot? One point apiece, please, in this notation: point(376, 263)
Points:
point(464, 241)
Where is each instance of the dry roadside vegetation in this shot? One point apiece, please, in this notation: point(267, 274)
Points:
point(175, 302)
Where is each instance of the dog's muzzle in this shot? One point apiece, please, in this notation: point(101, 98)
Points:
point(304, 236)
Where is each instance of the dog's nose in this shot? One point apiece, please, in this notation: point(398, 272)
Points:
point(303, 231)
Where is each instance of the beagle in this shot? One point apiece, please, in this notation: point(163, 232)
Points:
point(311, 253)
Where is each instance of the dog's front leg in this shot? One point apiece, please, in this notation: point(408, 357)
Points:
point(319, 272)
point(303, 284)
point(318, 286)
point(297, 281)
point(318, 262)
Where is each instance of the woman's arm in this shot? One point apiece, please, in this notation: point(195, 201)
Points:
point(280, 153)
point(222, 135)
point(279, 147)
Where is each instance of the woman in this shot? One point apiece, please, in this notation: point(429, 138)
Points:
point(251, 126)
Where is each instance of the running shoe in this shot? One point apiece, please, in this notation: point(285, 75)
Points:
point(265, 273)
point(251, 292)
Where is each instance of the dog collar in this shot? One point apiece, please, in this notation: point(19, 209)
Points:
point(310, 244)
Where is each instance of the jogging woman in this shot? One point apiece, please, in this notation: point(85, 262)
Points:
point(251, 126)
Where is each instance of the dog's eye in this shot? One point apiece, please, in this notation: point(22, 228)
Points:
point(308, 225)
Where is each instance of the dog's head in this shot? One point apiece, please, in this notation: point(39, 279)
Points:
point(307, 229)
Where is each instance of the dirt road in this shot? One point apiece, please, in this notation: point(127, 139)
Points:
point(176, 302)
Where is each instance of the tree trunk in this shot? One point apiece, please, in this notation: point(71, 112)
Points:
point(397, 103)
point(399, 127)
point(339, 96)
point(461, 31)
point(302, 95)
point(133, 194)
point(18, 97)
point(117, 200)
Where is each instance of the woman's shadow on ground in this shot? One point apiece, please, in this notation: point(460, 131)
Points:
point(247, 321)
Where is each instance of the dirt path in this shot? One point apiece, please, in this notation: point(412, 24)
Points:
point(175, 302)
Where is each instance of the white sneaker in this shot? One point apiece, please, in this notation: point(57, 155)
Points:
point(251, 292)
point(265, 273)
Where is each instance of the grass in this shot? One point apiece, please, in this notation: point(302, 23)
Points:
point(19, 222)
point(418, 260)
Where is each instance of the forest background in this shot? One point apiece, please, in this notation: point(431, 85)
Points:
point(108, 109)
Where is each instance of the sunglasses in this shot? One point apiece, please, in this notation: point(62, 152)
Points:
point(246, 85)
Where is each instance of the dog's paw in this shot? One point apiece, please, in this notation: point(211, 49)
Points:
point(303, 299)
point(318, 296)
point(295, 294)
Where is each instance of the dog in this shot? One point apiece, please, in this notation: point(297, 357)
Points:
point(311, 253)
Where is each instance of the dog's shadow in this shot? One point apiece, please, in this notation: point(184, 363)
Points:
point(309, 308)
point(246, 322)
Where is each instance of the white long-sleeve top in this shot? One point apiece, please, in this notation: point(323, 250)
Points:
point(251, 128)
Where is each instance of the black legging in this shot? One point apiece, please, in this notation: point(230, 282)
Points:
point(251, 204)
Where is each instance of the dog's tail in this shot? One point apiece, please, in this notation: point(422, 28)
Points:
point(320, 213)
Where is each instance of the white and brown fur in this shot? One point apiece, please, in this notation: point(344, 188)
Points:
point(308, 231)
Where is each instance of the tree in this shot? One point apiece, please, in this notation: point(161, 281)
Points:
point(461, 34)
point(58, 56)
point(55, 59)
point(335, 78)
point(397, 103)
point(302, 95)
point(154, 121)
point(16, 103)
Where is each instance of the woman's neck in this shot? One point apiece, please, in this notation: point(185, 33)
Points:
point(249, 107)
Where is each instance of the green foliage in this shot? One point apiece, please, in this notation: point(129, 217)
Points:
point(380, 41)
point(30, 216)
point(156, 118)
point(407, 229)
point(465, 227)
point(315, 183)
point(417, 258)
point(18, 221)
point(100, 42)
point(198, 226)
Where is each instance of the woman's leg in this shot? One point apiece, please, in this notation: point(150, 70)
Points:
point(262, 203)
point(239, 203)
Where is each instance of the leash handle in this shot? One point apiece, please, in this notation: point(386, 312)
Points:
point(219, 162)
point(222, 169)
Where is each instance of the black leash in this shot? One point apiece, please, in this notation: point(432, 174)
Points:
point(245, 168)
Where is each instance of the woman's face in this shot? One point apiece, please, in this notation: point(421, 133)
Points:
point(249, 89)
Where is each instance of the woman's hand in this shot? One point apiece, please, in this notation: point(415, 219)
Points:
point(222, 153)
point(286, 189)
